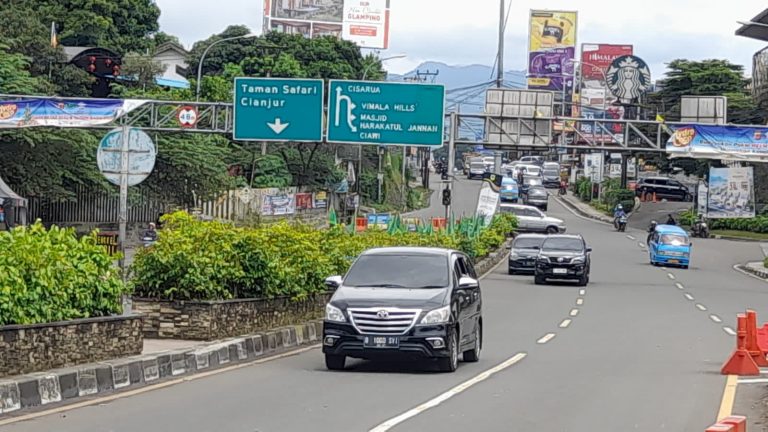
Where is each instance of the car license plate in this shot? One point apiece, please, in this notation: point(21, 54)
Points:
point(673, 261)
point(560, 271)
point(381, 341)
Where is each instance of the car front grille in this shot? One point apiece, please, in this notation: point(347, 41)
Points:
point(556, 260)
point(383, 321)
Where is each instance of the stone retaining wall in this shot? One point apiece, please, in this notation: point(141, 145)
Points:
point(29, 348)
point(210, 320)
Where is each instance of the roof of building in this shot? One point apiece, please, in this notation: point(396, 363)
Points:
point(757, 28)
point(171, 46)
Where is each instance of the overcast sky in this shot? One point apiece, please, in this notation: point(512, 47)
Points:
point(465, 32)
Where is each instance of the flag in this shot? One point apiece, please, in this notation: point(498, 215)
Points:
point(332, 220)
point(494, 180)
point(54, 36)
point(660, 119)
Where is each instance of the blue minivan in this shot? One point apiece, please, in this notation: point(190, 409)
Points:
point(670, 245)
point(509, 190)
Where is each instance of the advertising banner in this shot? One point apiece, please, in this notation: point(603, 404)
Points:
point(719, 142)
point(303, 201)
point(320, 200)
point(487, 202)
point(702, 199)
point(365, 22)
point(277, 202)
point(593, 167)
point(731, 193)
point(551, 50)
point(63, 112)
point(595, 98)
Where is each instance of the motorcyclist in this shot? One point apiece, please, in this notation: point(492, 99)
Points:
point(671, 220)
point(618, 212)
point(150, 234)
point(651, 229)
point(563, 186)
point(700, 227)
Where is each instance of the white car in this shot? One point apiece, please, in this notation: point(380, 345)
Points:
point(531, 219)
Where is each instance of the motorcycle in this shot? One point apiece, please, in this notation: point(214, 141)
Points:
point(700, 229)
point(621, 224)
point(563, 189)
point(148, 241)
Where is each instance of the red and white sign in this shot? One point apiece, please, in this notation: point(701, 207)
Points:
point(597, 58)
point(187, 116)
point(366, 22)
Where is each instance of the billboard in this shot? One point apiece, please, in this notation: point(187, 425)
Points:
point(731, 193)
point(595, 98)
point(551, 50)
point(365, 22)
point(719, 142)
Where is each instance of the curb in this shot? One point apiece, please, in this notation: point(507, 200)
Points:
point(758, 273)
point(56, 387)
point(741, 239)
point(567, 203)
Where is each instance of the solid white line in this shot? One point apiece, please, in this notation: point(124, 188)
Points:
point(582, 292)
point(574, 312)
point(565, 323)
point(715, 318)
point(631, 238)
point(546, 338)
point(729, 331)
point(579, 302)
point(679, 286)
point(753, 381)
point(389, 424)
point(701, 307)
point(689, 297)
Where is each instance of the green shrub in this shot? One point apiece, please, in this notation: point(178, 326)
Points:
point(584, 189)
point(757, 224)
point(687, 217)
point(51, 275)
point(195, 260)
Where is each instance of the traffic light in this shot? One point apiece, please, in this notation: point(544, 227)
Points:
point(446, 197)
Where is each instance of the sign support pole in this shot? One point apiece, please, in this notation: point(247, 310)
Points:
point(123, 217)
point(451, 158)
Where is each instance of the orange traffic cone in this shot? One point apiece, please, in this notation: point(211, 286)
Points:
point(741, 362)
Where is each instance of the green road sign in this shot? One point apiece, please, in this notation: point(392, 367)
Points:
point(381, 113)
point(278, 109)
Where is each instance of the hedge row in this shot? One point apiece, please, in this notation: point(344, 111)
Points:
point(52, 275)
point(758, 224)
point(195, 260)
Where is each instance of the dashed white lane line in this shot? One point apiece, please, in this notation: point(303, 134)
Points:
point(679, 286)
point(729, 331)
point(671, 276)
point(565, 323)
point(641, 244)
point(689, 297)
point(715, 318)
point(389, 424)
point(574, 312)
point(546, 338)
point(582, 292)
point(579, 302)
point(631, 237)
point(701, 307)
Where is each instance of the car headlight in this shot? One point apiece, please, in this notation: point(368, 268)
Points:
point(437, 316)
point(578, 260)
point(332, 313)
point(513, 255)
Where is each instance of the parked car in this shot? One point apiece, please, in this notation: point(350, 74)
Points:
point(670, 245)
point(563, 257)
point(510, 191)
point(663, 188)
point(537, 196)
point(551, 178)
point(406, 302)
point(523, 253)
point(476, 169)
point(531, 219)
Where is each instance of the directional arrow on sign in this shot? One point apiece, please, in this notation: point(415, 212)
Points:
point(278, 126)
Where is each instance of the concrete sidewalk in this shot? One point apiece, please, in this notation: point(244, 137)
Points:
point(582, 208)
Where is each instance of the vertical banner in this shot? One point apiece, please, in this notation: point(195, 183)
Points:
point(593, 167)
point(487, 202)
point(551, 50)
point(731, 193)
point(595, 98)
point(702, 199)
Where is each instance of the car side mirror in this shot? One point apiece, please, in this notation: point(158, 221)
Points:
point(333, 282)
point(589, 249)
point(468, 283)
point(690, 244)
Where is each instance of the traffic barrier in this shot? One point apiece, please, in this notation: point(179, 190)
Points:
point(439, 223)
point(739, 423)
point(751, 343)
point(361, 224)
point(719, 427)
point(654, 198)
point(741, 362)
point(762, 338)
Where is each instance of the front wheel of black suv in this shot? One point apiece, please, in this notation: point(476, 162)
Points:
point(584, 280)
point(473, 355)
point(451, 363)
point(538, 280)
point(335, 362)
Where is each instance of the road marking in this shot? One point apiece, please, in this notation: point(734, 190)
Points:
point(729, 331)
point(565, 323)
point(641, 244)
point(679, 286)
point(729, 396)
point(631, 238)
point(582, 292)
point(689, 297)
point(389, 424)
point(736, 267)
point(715, 318)
point(753, 381)
point(546, 338)
point(574, 312)
point(142, 390)
point(701, 307)
point(579, 302)
point(671, 276)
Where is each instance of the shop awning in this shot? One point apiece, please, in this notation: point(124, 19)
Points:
point(757, 28)
point(7, 193)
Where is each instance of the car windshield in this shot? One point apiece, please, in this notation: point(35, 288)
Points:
point(478, 165)
point(398, 271)
point(527, 243)
point(673, 240)
point(562, 244)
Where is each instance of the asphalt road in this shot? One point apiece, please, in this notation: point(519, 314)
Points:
point(637, 355)
point(649, 211)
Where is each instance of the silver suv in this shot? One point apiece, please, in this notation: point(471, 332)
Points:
point(531, 219)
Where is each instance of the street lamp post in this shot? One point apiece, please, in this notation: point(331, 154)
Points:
point(202, 58)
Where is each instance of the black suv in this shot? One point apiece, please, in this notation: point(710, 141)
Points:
point(663, 188)
point(405, 302)
point(523, 253)
point(565, 257)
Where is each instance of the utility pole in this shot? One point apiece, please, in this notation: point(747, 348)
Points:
point(500, 63)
